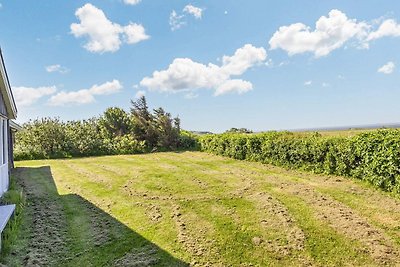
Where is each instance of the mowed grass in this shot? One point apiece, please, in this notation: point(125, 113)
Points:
point(191, 208)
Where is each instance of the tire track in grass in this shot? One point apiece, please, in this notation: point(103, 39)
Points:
point(347, 222)
point(194, 241)
point(378, 208)
point(323, 243)
point(92, 176)
point(339, 216)
point(276, 217)
point(383, 213)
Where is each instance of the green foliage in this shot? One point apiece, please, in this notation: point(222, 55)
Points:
point(115, 122)
point(115, 132)
point(144, 128)
point(187, 140)
point(159, 129)
point(371, 156)
point(126, 144)
point(239, 130)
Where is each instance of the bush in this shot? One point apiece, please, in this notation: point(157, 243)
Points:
point(126, 144)
point(371, 156)
point(52, 138)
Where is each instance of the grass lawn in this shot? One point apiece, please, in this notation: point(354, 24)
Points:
point(176, 209)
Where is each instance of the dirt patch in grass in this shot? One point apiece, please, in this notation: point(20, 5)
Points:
point(275, 216)
point(346, 221)
point(192, 235)
point(153, 211)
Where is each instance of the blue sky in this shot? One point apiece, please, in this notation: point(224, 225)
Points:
point(257, 64)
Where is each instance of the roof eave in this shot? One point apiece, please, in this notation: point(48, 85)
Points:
point(6, 92)
point(15, 126)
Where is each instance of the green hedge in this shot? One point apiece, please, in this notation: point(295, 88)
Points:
point(51, 138)
point(373, 156)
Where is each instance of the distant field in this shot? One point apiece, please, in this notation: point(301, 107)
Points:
point(341, 133)
point(175, 209)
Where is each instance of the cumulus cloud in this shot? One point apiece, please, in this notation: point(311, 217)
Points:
point(197, 12)
point(388, 68)
point(26, 96)
point(330, 33)
point(307, 83)
point(57, 68)
point(235, 85)
point(85, 96)
point(184, 74)
point(132, 2)
point(135, 33)
point(104, 35)
point(387, 28)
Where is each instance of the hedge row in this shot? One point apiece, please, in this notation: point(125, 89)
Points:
point(372, 156)
point(52, 138)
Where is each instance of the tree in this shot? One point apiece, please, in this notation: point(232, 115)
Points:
point(115, 122)
point(144, 127)
point(239, 130)
point(168, 129)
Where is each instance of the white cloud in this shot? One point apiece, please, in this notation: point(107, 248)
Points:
point(197, 12)
point(330, 33)
point(85, 96)
point(235, 85)
point(183, 74)
point(140, 93)
point(307, 83)
point(176, 21)
point(388, 68)
point(104, 35)
point(135, 33)
point(132, 2)
point(226, 12)
point(387, 28)
point(26, 96)
point(57, 68)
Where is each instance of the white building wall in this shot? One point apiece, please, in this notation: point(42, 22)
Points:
point(4, 174)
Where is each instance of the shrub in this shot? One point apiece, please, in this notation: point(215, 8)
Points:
point(126, 144)
point(371, 156)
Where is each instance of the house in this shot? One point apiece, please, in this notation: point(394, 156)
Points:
point(8, 112)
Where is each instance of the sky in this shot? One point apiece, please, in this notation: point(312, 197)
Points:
point(262, 65)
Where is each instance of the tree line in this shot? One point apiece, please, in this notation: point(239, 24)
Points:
point(114, 132)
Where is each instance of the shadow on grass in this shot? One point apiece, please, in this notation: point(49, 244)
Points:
point(68, 230)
